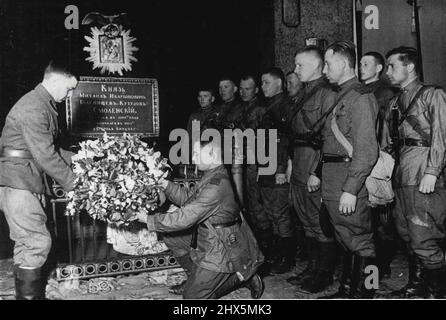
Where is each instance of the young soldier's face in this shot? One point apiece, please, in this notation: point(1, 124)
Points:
point(293, 84)
point(306, 66)
point(271, 85)
point(205, 99)
point(227, 90)
point(334, 66)
point(369, 68)
point(396, 71)
point(63, 86)
point(248, 90)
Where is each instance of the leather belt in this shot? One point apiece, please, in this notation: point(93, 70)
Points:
point(193, 243)
point(327, 158)
point(301, 143)
point(11, 153)
point(223, 225)
point(414, 143)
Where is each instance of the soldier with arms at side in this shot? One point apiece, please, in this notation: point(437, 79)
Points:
point(274, 189)
point(418, 125)
point(305, 183)
point(372, 67)
point(344, 174)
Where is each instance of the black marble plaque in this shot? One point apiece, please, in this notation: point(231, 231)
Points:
point(114, 105)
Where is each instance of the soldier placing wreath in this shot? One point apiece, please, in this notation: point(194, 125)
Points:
point(207, 234)
point(29, 151)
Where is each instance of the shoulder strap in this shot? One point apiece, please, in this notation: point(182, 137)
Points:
point(334, 125)
point(332, 107)
point(412, 103)
point(339, 136)
point(272, 105)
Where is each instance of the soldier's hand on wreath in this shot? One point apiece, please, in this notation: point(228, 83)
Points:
point(427, 184)
point(280, 178)
point(313, 183)
point(163, 183)
point(347, 204)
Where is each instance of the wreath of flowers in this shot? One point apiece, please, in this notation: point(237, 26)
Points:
point(117, 177)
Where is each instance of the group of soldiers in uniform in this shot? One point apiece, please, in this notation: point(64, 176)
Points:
point(323, 182)
point(331, 130)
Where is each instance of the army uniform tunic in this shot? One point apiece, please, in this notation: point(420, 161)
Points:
point(306, 158)
point(419, 217)
point(275, 196)
point(219, 252)
point(252, 116)
point(356, 118)
point(381, 215)
point(383, 94)
point(31, 127)
point(228, 117)
point(202, 115)
point(227, 114)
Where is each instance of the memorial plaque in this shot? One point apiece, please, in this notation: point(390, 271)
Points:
point(114, 105)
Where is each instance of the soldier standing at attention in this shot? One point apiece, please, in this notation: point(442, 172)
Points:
point(229, 109)
point(274, 189)
point(253, 110)
point(206, 100)
point(372, 66)
point(305, 183)
point(343, 176)
point(418, 124)
point(227, 116)
point(293, 85)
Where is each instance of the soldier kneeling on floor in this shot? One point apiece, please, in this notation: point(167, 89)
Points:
point(207, 234)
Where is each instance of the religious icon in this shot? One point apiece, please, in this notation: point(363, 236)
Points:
point(111, 50)
point(111, 46)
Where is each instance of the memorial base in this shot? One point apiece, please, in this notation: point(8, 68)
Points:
point(127, 265)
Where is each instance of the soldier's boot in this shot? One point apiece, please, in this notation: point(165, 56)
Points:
point(385, 250)
point(358, 288)
point(28, 284)
point(286, 261)
point(435, 283)
point(254, 284)
point(233, 283)
point(186, 263)
point(415, 286)
point(325, 265)
point(267, 242)
point(345, 281)
point(301, 245)
point(311, 265)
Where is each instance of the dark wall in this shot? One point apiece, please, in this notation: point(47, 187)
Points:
point(328, 19)
point(433, 40)
point(396, 28)
point(181, 43)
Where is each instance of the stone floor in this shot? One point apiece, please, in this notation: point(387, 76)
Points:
point(154, 285)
